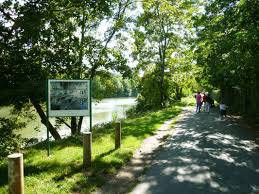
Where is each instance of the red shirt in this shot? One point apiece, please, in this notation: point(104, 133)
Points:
point(198, 97)
point(204, 98)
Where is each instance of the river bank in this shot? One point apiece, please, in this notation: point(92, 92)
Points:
point(103, 111)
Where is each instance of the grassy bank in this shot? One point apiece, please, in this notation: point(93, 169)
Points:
point(62, 171)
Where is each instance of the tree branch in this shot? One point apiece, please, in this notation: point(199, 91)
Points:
point(7, 15)
point(64, 122)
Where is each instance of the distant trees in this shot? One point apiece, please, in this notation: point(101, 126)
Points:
point(228, 51)
point(113, 86)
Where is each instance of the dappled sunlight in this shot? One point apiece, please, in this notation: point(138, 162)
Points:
point(197, 178)
point(146, 185)
point(185, 159)
point(248, 145)
point(191, 145)
point(206, 155)
point(223, 156)
point(220, 136)
point(168, 170)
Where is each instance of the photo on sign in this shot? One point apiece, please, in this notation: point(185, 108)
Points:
point(68, 96)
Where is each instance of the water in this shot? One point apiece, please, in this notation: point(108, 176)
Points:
point(104, 111)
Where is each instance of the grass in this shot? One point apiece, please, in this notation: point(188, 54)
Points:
point(62, 172)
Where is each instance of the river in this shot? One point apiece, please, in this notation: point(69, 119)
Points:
point(104, 111)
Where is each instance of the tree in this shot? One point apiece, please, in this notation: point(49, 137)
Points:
point(227, 50)
point(94, 56)
point(24, 55)
point(149, 97)
point(39, 40)
point(157, 37)
point(184, 71)
point(110, 86)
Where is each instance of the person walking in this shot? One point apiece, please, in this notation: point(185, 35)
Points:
point(204, 102)
point(198, 102)
point(209, 102)
point(223, 109)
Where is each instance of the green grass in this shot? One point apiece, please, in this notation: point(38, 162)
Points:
point(62, 172)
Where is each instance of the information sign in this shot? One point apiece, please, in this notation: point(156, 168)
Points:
point(68, 98)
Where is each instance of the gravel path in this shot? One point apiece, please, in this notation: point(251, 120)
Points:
point(205, 155)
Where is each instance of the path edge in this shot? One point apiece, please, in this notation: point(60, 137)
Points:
point(128, 175)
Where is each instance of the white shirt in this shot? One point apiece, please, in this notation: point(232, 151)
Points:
point(222, 107)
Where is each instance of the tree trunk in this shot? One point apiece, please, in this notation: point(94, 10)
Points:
point(44, 119)
point(79, 124)
point(178, 92)
point(162, 95)
point(73, 125)
point(162, 74)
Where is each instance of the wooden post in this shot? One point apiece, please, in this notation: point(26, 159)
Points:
point(15, 173)
point(117, 135)
point(87, 149)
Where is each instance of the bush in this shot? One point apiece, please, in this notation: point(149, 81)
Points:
point(10, 141)
point(132, 112)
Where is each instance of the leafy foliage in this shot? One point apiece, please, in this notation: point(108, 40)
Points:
point(161, 31)
point(113, 86)
point(9, 141)
point(227, 50)
point(55, 39)
point(149, 97)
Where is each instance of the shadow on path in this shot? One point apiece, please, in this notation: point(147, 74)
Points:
point(205, 155)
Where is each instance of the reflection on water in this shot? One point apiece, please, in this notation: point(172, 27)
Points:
point(103, 112)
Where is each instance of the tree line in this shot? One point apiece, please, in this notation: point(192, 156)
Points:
point(227, 51)
point(113, 86)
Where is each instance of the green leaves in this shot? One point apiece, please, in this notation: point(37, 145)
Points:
point(106, 85)
point(10, 142)
point(161, 31)
point(227, 44)
point(225, 38)
point(56, 39)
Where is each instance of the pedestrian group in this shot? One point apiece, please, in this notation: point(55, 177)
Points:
point(204, 102)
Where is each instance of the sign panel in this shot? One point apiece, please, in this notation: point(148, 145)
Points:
point(68, 98)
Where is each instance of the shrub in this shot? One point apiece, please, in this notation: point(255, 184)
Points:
point(10, 141)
